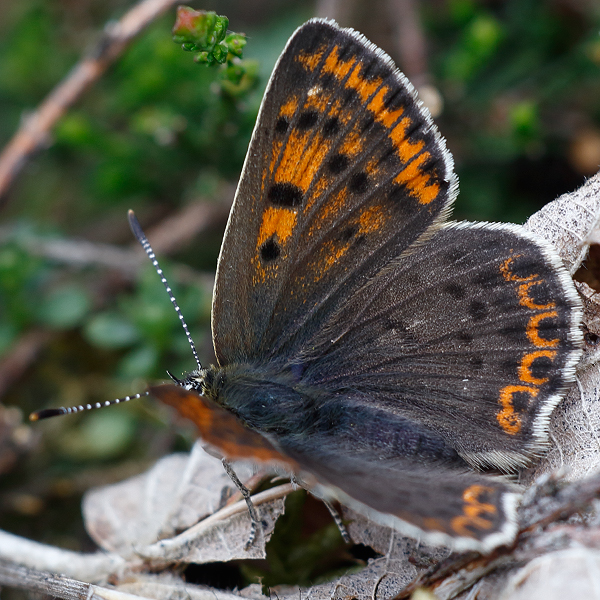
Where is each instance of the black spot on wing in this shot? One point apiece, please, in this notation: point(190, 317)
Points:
point(478, 310)
point(285, 194)
point(541, 367)
point(464, 337)
point(476, 362)
point(456, 290)
point(337, 164)
point(331, 127)
point(348, 233)
point(359, 183)
point(282, 125)
point(270, 250)
point(307, 119)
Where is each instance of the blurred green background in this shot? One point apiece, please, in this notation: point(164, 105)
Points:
point(516, 84)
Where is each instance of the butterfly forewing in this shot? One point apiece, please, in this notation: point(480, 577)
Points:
point(344, 172)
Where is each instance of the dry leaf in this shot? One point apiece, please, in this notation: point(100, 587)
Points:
point(558, 576)
point(145, 515)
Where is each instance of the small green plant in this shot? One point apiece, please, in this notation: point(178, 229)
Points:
point(205, 33)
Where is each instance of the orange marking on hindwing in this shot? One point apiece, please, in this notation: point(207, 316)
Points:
point(508, 418)
point(509, 275)
point(525, 367)
point(532, 330)
point(433, 524)
point(474, 511)
point(526, 300)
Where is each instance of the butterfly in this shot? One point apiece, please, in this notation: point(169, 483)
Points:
point(390, 359)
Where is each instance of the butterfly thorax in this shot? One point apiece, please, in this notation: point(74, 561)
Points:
point(264, 399)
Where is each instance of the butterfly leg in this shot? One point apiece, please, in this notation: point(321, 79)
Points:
point(338, 521)
point(246, 494)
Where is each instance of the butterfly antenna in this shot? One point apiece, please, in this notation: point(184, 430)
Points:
point(136, 228)
point(46, 413)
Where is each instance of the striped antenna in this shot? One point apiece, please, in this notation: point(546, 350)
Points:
point(46, 413)
point(136, 228)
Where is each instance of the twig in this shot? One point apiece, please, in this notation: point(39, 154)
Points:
point(33, 555)
point(168, 236)
point(34, 132)
point(59, 586)
point(340, 10)
point(21, 356)
point(409, 39)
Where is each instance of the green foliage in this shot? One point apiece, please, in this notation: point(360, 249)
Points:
point(513, 76)
point(205, 33)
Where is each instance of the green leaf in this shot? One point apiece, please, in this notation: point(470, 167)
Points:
point(111, 330)
point(104, 435)
point(140, 362)
point(65, 307)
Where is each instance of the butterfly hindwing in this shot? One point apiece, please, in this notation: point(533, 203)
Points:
point(345, 170)
point(474, 334)
point(430, 502)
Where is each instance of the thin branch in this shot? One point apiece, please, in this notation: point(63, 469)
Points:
point(34, 132)
point(409, 39)
point(23, 353)
point(144, 586)
point(33, 555)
